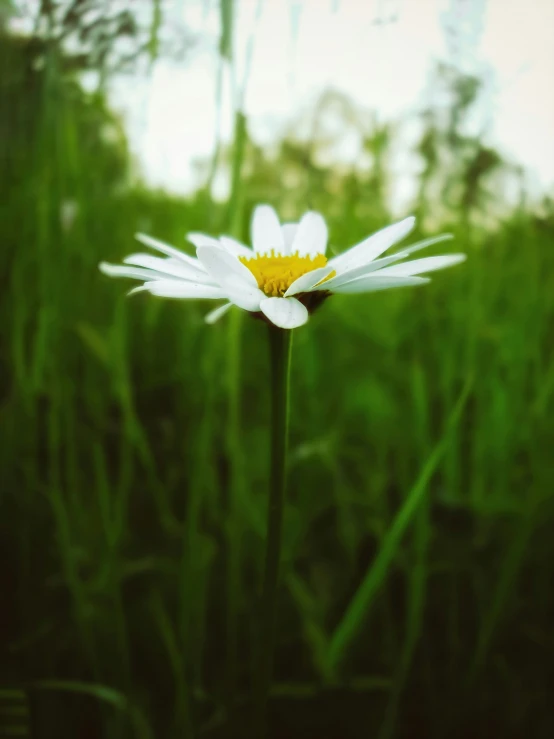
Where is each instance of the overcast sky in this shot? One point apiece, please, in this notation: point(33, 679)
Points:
point(379, 52)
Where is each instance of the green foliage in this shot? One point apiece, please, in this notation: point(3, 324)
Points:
point(226, 36)
point(416, 595)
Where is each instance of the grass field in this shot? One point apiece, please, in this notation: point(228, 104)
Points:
point(418, 553)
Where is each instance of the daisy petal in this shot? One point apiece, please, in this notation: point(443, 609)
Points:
point(199, 239)
point(364, 269)
point(311, 235)
point(180, 289)
point(235, 247)
point(170, 266)
point(216, 314)
point(374, 282)
point(236, 280)
point(225, 267)
point(171, 251)
point(374, 246)
point(427, 242)
point(419, 266)
point(306, 282)
point(135, 273)
point(289, 231)
point(266, 230)
point(245, 297)
point(284, 312)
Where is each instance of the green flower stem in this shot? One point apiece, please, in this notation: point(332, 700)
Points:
point(280, 351)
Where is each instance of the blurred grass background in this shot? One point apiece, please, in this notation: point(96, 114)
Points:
point(418, 557)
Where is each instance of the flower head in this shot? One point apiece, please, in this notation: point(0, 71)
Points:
point(286, 273)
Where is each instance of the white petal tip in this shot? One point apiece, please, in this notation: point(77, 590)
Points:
point(311, 235)
point(216, 314)
point(266, 230)
point(287, 313)
point(139, 289)
point(108, 269)
point(199, 239)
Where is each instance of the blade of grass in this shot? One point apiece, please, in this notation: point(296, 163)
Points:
point(233, 522)
point(512, 563)
point(234, 449)
point(417, 574)
point(195, 576)
point(104, 694)
point(182, 707)
point(14, 713)
point(360, 605)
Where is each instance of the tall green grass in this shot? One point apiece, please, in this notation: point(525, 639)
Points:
point(416, 597)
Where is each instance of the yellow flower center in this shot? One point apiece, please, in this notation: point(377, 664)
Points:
point(275, 273)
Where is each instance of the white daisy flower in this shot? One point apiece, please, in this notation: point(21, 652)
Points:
point(286, 274)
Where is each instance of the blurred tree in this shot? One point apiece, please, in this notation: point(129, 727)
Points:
point(461, 170)
point(104, 36)
point(37, 106)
